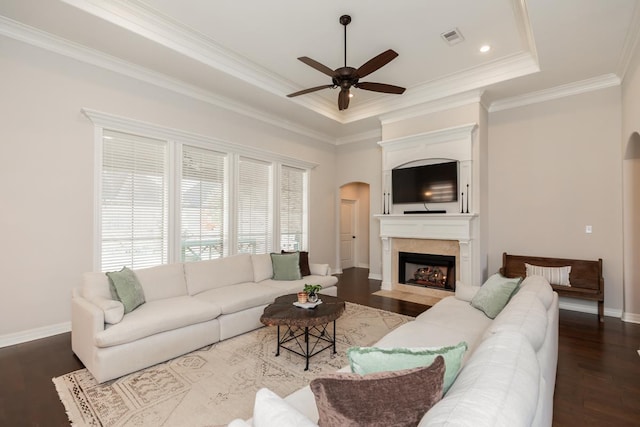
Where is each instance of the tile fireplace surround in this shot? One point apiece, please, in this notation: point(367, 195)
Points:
point(438, 234)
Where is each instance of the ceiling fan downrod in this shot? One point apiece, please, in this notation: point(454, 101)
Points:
point(345, 20)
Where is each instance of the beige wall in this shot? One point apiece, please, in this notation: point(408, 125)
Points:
point(360, 192)
point(631, 188)
point(554, 167)
point(46, 174)
point(362, 162)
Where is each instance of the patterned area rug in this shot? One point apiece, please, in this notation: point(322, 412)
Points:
point(215, 384)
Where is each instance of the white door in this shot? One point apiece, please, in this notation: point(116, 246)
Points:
point(347, 233)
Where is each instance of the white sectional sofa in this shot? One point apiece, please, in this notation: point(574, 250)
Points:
point(508, 373)
point(188, 306)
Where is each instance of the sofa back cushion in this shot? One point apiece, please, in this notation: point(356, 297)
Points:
point(524, 314)
point(95, 285)
point(162, 281)
point(216, 273)
point(539, 286)
point(262, 267)
point(499, 386)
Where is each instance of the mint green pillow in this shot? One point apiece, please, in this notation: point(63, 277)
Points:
point(368, 360)
point(125, 286)
point(286, 266)
point(494, 294)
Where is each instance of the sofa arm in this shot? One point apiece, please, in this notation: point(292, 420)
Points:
point(87, 320)
point(319, 269)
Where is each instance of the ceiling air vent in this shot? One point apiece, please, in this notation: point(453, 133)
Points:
point(452, 37)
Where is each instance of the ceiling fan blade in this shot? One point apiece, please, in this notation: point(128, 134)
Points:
point(318, 66)
point(343, 99)
point(380, 87)
point(376, 62)
point(311, 89)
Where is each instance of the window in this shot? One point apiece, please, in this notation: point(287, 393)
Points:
point(292, 209)
point(175, 196)
point(203, 204)
point(254, 224)
point(134, 205)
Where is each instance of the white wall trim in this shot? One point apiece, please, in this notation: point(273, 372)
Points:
point(34, 334)
point(375, 276)
point(588, 307)
point(49, 42)
point(574, 88)
point(631, 317)
point(124, 124)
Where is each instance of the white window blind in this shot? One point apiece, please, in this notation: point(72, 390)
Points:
point(134, 203)
point(254, 218)
point(203, 204)
point(292, 209)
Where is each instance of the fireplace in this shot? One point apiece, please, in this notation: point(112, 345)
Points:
point(427, 270)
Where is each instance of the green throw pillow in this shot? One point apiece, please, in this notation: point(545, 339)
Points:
point(367, 360)
point(494, 294)
point(125, 286)
point(286, 266)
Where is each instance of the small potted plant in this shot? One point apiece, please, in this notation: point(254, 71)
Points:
point(312, 292)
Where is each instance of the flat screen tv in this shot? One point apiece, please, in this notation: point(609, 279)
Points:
point(437, 183)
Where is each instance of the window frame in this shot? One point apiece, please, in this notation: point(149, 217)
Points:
point(176, 139)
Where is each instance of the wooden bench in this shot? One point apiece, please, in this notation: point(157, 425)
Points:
point(585, 277)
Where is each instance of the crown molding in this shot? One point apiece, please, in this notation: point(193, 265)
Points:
point(517, 65)
point(453, 101)
point(375, 134)
point(49, 42)
point(570, 89)
point(145, 21)
point(435, 136)
point(125, 124)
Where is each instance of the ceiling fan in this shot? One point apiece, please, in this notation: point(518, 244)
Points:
point(346, 77)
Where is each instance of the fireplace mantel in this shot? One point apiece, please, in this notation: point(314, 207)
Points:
point(427, 226)
point(458, 227)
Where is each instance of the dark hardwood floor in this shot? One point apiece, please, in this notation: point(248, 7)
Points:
point(598, 381)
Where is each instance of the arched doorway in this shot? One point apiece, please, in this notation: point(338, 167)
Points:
point(354, 218)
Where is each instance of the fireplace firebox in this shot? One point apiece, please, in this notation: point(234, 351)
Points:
point(427, 270)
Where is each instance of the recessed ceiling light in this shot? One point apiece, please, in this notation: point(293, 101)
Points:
point(485, 48)
point(350, 95)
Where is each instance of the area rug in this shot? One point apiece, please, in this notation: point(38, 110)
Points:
point(215, 384)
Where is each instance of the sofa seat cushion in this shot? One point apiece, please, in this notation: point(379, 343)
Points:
point(242, 296)
point(499, 386)
point(155, 317)
point(292, 286)
point(446, 323)
point(217, 273)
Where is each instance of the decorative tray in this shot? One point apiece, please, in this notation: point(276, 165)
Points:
point(308, 304)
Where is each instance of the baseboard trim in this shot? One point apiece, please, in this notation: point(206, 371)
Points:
point(592, 308)
point(631, 317)
point(375, 276)
point(34, 334)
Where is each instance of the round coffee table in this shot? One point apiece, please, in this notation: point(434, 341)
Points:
point(304, 323)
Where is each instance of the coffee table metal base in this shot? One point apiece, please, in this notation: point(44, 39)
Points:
point(299, 339)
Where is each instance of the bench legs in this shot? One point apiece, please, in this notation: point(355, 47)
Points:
point(601, 311)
